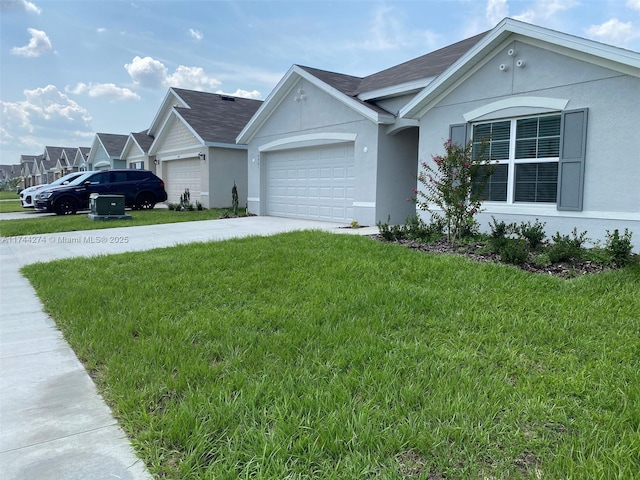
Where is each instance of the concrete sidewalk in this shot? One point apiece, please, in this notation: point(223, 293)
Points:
point(53, 422)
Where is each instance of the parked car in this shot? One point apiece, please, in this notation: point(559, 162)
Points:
point(27, 196)
point(141, 190)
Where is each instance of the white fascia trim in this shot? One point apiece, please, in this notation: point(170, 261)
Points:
point(341, 97)
point(402, 124)
point(307, 140)
point(235, 146)
point(396, 90)
point(550, 210)
point(282, 90)
point(179, 156)
point(264, 111)
point(154, 146)
point(102, 163)
point(165, 107)
point(551, 104)
point(503, 31)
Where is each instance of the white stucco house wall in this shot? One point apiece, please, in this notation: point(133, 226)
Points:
point(563, 113)
point(330, 146)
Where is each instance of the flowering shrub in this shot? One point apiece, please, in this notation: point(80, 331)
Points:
point(453, 185)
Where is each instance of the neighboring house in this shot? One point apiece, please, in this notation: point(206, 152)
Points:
point(329, 146)
point(106, 150)
point(28, 165)
point(80, 159)
point(9, 173)
point(562, 115)
point(194, 145)
point(136, 151)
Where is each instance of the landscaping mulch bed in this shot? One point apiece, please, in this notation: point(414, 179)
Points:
point(477, 251)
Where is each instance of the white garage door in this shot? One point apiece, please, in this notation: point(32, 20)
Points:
point(180, 175)
point(314, 183)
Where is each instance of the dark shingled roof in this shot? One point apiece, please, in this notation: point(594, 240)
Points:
point(215, 117)
point(113, 143)
point(429, 65)
point(144, 140)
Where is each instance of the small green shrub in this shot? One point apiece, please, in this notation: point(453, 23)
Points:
point(173, 206)
point(514, 251)
point(619, 246)
point(542, 260)
point(354, 224)
point(390, 232)
point(199, 206)
point(567, 249)
point(533, 233)
point(500, 231)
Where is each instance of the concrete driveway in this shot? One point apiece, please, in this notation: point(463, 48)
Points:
point(53, 423)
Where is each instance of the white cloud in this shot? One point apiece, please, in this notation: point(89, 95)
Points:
point(101, 30)
point(196, 34)
point(108, 90)
point(192, 78)
point(633, 4)
point(150, 73)
point(614, 31)
point(45, 112)
point(9, 6)
point(37, 46)
point(147, 72)
point(496, 10)
point(388, 32)
point(545, 9)
point(254, 94)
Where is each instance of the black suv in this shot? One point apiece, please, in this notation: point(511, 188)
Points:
point(141, 190)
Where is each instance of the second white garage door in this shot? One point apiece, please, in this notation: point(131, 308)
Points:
point(315, 183)
point(180, 175)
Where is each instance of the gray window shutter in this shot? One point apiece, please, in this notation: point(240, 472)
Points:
point(458, 134)
point(573, 142)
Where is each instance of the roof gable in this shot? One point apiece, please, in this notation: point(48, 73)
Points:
point(508, 29)
point(339, 86)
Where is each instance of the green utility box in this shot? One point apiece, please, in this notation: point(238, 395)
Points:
point(107, 207)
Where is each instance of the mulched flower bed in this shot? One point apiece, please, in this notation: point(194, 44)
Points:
point(477, 251)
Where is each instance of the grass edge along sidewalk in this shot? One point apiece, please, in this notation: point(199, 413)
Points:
point(79, 222)
point(315, 354)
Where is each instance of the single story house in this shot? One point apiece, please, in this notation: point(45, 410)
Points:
point(561, 111)
point(562, 115)
point(194, 146)
point(136, 151)
point(106, 151)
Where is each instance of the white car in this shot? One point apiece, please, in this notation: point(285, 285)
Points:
point(27, 196)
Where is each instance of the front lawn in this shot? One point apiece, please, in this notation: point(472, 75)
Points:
point(13, 205)
point(9, 195)
point(70, 223)
point(315, 355)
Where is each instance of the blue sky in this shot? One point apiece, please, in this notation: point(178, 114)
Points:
point(70, 69)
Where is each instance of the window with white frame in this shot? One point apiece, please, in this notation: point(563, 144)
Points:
point(526, 153)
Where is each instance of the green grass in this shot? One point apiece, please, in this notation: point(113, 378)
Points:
point(69, 223)
point(315, 355)
point(13, 205)
point(8, 195)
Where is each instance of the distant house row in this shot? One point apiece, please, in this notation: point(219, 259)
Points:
point(561, 113)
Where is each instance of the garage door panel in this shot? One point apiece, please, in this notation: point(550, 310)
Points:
point(182, 175)
point(315, 183)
